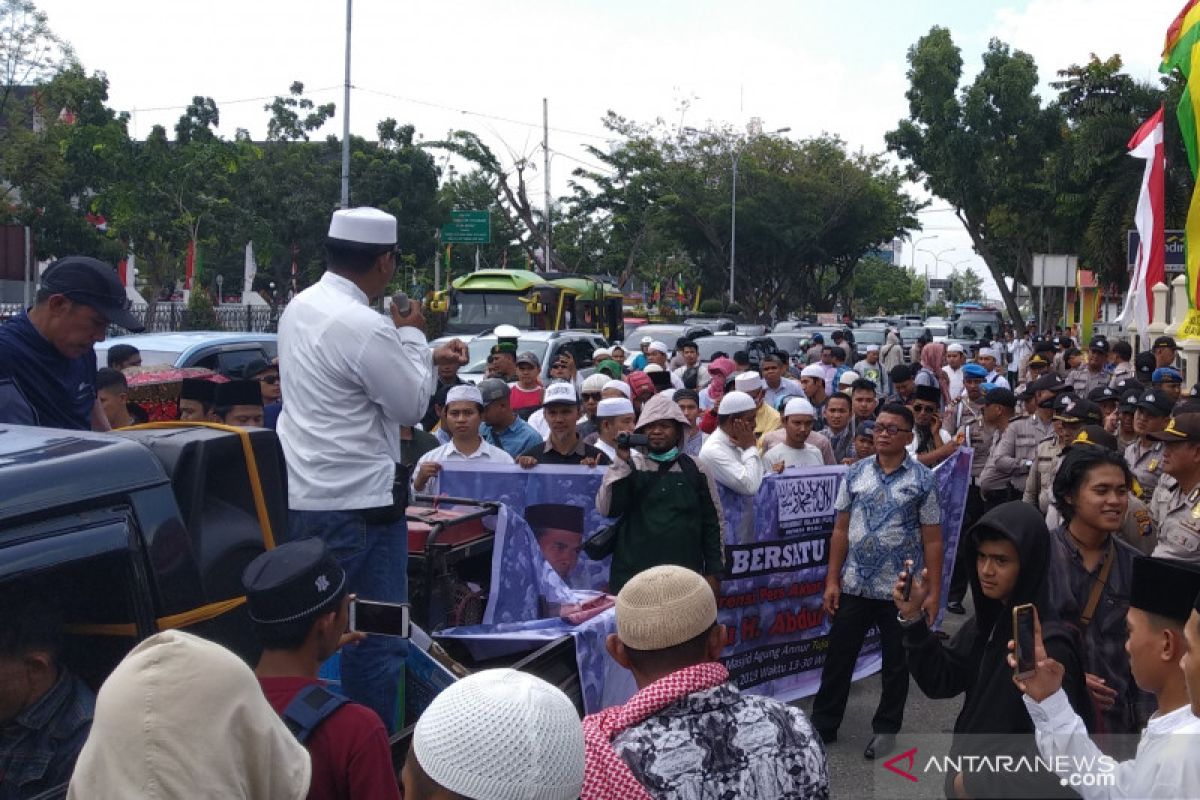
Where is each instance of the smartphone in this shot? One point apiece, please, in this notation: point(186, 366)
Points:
point(382, 619)
point(402, 303)
point(1023, 636)
point(906, 593)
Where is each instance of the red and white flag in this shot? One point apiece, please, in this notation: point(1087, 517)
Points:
point(1150, 267)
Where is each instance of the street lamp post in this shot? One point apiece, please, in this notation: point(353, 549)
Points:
point(737, 157)
point(937, 259)
point(913, 266)
point(220, 293)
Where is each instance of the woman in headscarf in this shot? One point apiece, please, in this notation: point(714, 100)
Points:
point(933, 358)
point(890, 355)
point(184, 717)
point(720, 369)
point(1008, 554)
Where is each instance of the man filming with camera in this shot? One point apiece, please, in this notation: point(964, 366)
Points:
point(665, 501)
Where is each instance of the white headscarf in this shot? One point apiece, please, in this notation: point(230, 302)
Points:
point(182, 717)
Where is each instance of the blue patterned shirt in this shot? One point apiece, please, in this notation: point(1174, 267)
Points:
point(886, 515)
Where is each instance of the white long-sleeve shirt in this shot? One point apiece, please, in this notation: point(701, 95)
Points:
point(351, 379)
point(731, 466)
point(450, 452)
point(1165, 765)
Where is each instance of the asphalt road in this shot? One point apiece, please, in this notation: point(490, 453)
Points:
point(851, 776)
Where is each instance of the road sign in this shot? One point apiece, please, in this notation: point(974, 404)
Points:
point(1174, 242)
point(939, 283)
point(468, 227)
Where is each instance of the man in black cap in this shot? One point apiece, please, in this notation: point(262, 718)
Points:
point(196, 398)
point(1145, 456)
point(1175, 505)
point(296, 595)
point(1121, 358)
point(238, 403)
point(502, 426)
point(1164, 351)
point(558, 529)
point(1017, 447)
point(46, 351)
point(1091, 375)
point(1158, 639)
point(1108, 399)
point(1070, 415)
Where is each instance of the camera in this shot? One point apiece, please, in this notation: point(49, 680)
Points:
point(626, 441)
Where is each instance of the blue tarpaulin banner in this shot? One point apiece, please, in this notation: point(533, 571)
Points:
point(776, 556)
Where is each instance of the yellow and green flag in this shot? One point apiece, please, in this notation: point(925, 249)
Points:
point(1180, 52)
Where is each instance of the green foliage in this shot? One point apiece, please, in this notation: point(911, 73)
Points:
point(294, 117)
point(965, 285)
point(712, 306)
point(200, 314)
point(882, 288)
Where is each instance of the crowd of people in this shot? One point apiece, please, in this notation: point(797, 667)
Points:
point(1084, 501)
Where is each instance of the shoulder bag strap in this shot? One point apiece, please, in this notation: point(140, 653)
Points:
point(1098, 585)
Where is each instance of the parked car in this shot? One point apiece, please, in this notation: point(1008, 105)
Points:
point(667, 334)
point(730, 343)
point(546, 345)
point(220, 351)
point(867, 335)
point(978, 325)
point(751, 330)
point(714, 324)
point(787, 326)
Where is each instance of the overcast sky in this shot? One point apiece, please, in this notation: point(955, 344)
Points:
point(810, 65)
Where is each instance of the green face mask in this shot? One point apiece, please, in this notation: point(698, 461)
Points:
point(670, 455)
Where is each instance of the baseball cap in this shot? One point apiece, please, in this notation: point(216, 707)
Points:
point(1094, 435)
point(974, 371)
point(1099, 344)
point(1046, 383)
point(1037, 361)
point(1129, 402)
point(1127, 385)
point(92, 283)
point(492, 389)
point(293, 581)
point(1073, 409)
point(561, 393)
point(528, 358)
point(1103, 394)
point(1155, 402)
point(1000, 397)
point(865, 429)
point(646, 340)
point(1184, 428)
point(1165, 341)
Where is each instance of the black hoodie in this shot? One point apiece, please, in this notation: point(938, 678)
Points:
point(993, 720)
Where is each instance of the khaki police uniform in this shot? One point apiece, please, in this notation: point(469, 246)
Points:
point(1083, 380)
point(1047, 457)
point(1177, 516)
point(1146, 465)
point(1017, 447)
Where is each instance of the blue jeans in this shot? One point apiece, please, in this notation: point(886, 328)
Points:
point(375, 557)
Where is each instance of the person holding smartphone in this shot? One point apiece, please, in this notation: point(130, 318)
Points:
point(1008, 552)
point(1162, 637)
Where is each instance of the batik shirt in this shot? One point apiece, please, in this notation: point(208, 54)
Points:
point(886, 515)
point(720, 744)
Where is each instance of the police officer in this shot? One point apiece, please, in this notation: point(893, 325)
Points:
point(1091, 374)
point(1017, 447)
point(1070, 415)
point(1145, 455)
point(967, 409)
point(1176, 503)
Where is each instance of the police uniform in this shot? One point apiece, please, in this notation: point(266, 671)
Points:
point(1146, 460)
point(1083, 380)
point(1177, 512)
point(1047, 457)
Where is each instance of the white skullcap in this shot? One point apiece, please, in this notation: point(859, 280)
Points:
point(736, 403)
point(501, 734)
point(955, 348)
point(987, 352)
point(798, 405)
point(652, 368)
point(647, 340)
point(748, 382)
point(464, 392)
point(664, 606)
point(614, 407)
point(620, 386)
point(595, 382)
point(363, 225)
point(559, 393)
point(848, 377)
point(813, 371)
point(660, 347)
point(601, 353)
point(872, 348)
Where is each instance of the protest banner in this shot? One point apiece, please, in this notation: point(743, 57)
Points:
point(777, 554)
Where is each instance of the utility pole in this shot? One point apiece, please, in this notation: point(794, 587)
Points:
point(346, 118)
point(546, 252)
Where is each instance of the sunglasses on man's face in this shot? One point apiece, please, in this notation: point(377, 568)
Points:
point(591, 396)
point(922, 408)
point(270, 380)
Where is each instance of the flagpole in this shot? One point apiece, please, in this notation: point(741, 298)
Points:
point(346, 118)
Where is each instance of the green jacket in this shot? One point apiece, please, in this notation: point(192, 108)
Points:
point(674, 518)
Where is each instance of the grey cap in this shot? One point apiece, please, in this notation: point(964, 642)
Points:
point(528, 358)
point(493, 389)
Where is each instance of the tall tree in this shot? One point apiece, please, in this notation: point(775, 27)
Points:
point(983, 149)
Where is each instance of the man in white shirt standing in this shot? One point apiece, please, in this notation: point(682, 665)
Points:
point(730, 453)
point(795, 451)
point(1160, 647)
point(955, 358)
point(352, 377)
point(464, 412)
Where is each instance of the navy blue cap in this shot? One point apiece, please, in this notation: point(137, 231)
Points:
point(92, 283)
point(1103, 394)
point(294, 581)
point(1156, 402)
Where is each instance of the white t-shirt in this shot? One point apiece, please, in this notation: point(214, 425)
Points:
point(806, 456)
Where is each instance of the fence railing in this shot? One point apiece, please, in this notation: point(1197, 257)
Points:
point(169, 317)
